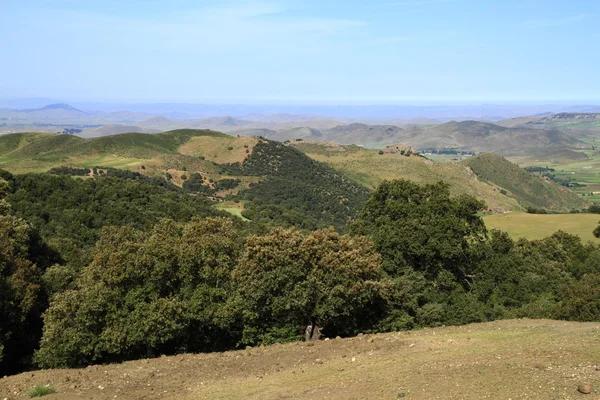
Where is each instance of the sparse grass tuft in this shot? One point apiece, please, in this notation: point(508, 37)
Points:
point(41, 390)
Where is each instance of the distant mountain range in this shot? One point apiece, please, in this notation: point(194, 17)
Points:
point(540, 134)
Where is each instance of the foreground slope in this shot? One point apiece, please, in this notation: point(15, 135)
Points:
point(535, 359)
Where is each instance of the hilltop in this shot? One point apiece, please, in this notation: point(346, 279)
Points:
point(504, 359)
point(577, 122)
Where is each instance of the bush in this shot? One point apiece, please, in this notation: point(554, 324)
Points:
point(145, 293)
point(41, 390)
point(288, 284)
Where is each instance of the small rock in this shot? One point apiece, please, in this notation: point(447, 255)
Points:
point(337, 338)
point(597, 367)
point(353, 359)
point(310, 344)
point(326, 339)
point(371, 340)
point(319, 361)
point(584, 388)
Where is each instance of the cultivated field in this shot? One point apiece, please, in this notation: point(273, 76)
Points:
point(516, 359)
point(538, 226)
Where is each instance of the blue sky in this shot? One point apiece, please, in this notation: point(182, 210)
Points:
point(378, 51)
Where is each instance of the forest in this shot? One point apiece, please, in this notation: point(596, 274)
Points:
point(116, 266)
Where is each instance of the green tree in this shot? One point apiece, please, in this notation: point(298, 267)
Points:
point(422, 227)
point(289, 285)
point(22, 298)
point(145, 293)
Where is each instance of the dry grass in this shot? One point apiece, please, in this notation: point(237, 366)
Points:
point(370, 168)
point(517, 359)
point(217, 148)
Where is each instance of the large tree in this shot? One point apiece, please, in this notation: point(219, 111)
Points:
point(22, 299)
point(289, 285)
point(421, 227)
point(145, 293)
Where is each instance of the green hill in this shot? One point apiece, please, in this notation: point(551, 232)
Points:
point(282, 184)
point(276, 184)
point(500, 183)
point(530, 190)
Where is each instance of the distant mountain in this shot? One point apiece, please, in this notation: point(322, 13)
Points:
point(572, 117)
point(465, 135)
point(108, 130)
point(53, 107)
point(565, 119)
point(486, 137)
point(52, 112)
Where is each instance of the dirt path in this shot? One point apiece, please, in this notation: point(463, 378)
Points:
point(518, 359)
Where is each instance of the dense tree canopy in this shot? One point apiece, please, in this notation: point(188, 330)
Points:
point(421, 227)
point(23, 259)
point(70, 212)
point(142, 267)
point(322, 281)
point(144, 292)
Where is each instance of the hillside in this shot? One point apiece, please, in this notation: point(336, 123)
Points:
point(180, 153)
point(472, 136)
point(529, 189)
point(276, 184)
point(533, 359)
point(370, 168)
point(576, 122)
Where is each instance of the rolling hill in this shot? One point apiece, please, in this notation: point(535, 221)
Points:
point(472, 136)
point(275, 183)
point(579, 122)
point(216, 156)
point(503, 185)
point(531, 190)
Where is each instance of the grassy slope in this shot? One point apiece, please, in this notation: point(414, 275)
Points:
point(33, 152)
point(538, 226)
point(179, 152)
point(530, 190)
point(370, 168)
point(518, 359)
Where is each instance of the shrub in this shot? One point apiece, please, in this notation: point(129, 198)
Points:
point(41, 390)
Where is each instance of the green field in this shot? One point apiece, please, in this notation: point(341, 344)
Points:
point(582, 171)
point(234, 209)
point(538, 226)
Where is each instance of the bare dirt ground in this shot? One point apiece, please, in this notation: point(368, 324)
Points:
point(517, 359)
